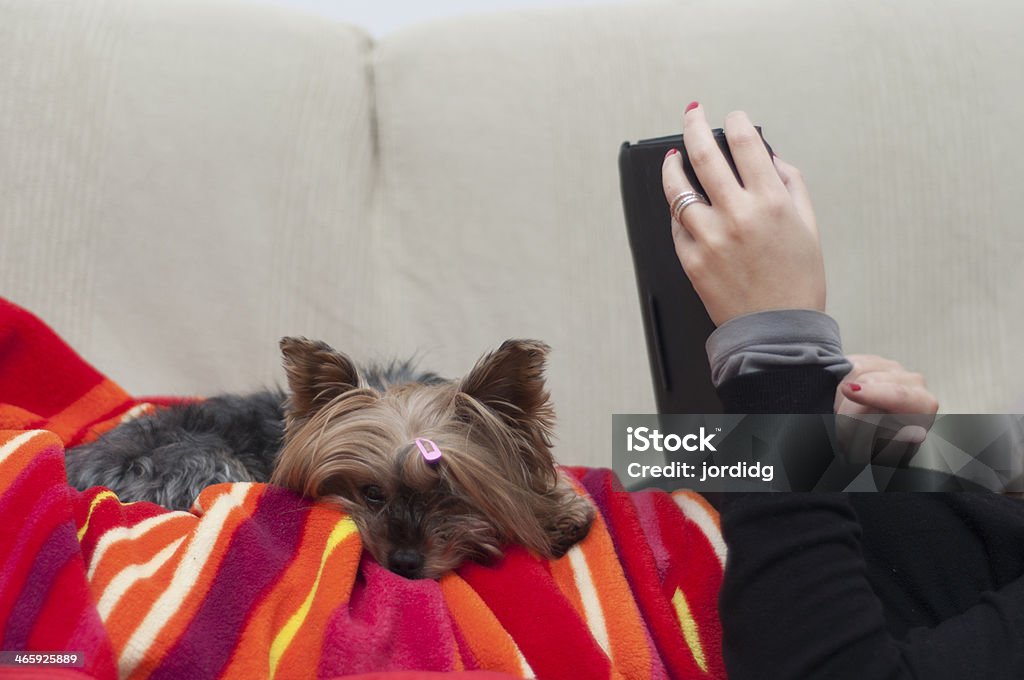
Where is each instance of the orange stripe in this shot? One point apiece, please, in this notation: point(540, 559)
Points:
point(16, 418)
point(95, 403)
point(630, 652)
point(133, 607)
point(332, 591)
point(490, 644)
point(103, 426)
point(251, 656)
point(32, 444)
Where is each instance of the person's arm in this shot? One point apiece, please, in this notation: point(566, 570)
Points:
point(795, 600)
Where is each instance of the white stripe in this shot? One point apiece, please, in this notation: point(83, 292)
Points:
point(134, 412)
point(13, 445)
point(184, 579)
point(118, 534)
point(698, 514)
point(131, 575)
point(591, 602)
point(524, 667)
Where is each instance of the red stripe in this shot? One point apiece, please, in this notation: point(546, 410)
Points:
point(68, 602)
point(530, 607)
point(21, 544)
point(695, 569)
point(108, 513)
point(40, 372)
point(465, 652)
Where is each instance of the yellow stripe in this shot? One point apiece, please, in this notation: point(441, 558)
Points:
point(342, 530)
point(689, 627)
point(100, 497)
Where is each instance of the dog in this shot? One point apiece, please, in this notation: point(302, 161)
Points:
point(433, 472)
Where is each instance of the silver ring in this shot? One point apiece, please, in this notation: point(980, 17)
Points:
point(684, 199)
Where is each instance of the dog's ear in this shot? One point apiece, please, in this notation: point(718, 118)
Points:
point(316, 375)
point(510, 382)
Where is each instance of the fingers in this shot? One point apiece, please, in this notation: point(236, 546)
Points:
point(749, 251)
point(911, 434)
point(794, 183)
point(873, 362)
point(707, 160)
point(891, 397)
point(750, 155)
point(880, 385)
point(674, 183)
point(865, 364)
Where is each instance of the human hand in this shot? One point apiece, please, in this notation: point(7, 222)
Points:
point(880, 385)
point(877, 385)
point(756, 247)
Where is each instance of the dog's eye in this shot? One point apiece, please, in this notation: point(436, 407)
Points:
point(373, 494)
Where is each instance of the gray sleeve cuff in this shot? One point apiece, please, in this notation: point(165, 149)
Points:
point(766, 341)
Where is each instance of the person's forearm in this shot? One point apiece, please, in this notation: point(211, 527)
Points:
point(796, 601)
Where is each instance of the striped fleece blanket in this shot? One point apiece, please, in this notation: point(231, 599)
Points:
point(257, 582)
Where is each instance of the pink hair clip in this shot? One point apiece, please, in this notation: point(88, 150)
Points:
point(433, 454)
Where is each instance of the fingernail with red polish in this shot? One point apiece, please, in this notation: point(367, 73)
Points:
point(854, 387)
point(691, 106)
point(671, 152)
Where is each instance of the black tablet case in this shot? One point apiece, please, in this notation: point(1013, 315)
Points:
point(675, 321)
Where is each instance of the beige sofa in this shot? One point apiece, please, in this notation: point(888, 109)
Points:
point(184, 181)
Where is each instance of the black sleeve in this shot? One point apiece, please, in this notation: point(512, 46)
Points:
point(796, 601)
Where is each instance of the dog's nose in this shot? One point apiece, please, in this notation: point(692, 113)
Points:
point(405, 562)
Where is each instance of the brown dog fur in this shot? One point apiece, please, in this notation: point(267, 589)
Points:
point(495, 484)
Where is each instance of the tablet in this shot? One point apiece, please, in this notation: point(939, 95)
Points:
point(675, 321)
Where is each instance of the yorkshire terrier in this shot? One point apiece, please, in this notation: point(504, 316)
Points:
point(433, 472)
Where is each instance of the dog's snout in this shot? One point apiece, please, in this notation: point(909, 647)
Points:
point(406, 562)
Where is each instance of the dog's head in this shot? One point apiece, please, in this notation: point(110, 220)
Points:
point(494, 483)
